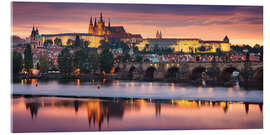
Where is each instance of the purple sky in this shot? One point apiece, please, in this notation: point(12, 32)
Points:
point(243, 24)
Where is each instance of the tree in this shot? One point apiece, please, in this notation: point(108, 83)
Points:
point(106, 60)
point(126, 58)
point(65, 61)
point(77, 41)
point(93, 61)
point(85, 44)
point(28, 58)
point(80, 60)
point(138, 58)
point(57, 42)
point(16, 62)
point(48, 43)
point(44, 63)
point(69, 42)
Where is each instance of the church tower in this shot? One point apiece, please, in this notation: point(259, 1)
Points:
point(95, 25)
point(100, 26)
point(158, 34)
point(226, 39)
point(91, 27)
point(37, 33)
point(108, 30)
point(33, 34)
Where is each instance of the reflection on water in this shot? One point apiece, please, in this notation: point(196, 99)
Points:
point(133, 89)
point(44, 114)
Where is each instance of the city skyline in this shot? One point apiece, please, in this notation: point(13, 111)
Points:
point(243, 24)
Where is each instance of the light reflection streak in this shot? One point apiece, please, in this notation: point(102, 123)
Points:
point(104, 112)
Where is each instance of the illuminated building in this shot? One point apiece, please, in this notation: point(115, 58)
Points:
point(97, 31)
point(35, 38)
point(185, 45)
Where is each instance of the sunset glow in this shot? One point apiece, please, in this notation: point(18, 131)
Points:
point(243, 24)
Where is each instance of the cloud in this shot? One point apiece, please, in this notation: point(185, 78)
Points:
point(74, 17)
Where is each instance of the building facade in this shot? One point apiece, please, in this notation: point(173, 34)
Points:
point(35, 38)
point(97, 31)
point(185, 45)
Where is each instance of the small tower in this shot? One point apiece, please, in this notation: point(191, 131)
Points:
point(108, 30)
point(157, 34)
point(100, 30)
point(95, 24)
point(37, 33)
point(100, 17)
point(109, 23)
point(91, 28)
point(33, 33)
point(226, 39)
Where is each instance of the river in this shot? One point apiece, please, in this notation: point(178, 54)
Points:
point(56, 106)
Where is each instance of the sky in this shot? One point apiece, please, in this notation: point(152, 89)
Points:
point(242, 24)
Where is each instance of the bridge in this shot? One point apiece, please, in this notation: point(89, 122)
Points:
point(190, 70)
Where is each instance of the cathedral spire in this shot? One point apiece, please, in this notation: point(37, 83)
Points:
point(91, 29)
point(33, 30)
point(101, 18)
point(95, 25)
point(37, 30)
point(91, 22)
point(109, 23)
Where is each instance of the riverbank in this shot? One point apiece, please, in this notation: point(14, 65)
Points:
point(248, 85)
point(121, 99)
point(135, 89)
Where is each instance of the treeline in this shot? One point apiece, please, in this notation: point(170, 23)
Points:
point(72, 43)
point(85, 60)
point(247, 48)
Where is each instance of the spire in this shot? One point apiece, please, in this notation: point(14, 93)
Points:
point(226, 39)
point(101, 19)
point(37, 30)
point(90, 29)
point(157, 34)
point(33, 30)
point(109, 23)
point(95, 25)
point(91, 23)
point(160, 35)
point(103, 24)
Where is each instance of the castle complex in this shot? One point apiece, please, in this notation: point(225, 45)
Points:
point(185, 45)
point(98, 30)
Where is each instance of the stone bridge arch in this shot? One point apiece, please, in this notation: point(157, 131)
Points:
point(149, 73)
point(172, 73)
point(197, 71)
point(258, 74)
point(226, 72)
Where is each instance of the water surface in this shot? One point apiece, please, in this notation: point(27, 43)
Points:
point(132, 89)
point(47, 114)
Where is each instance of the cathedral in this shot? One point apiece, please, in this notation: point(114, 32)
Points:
point(97, 31)
point(35, 38)
point(99, 28)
